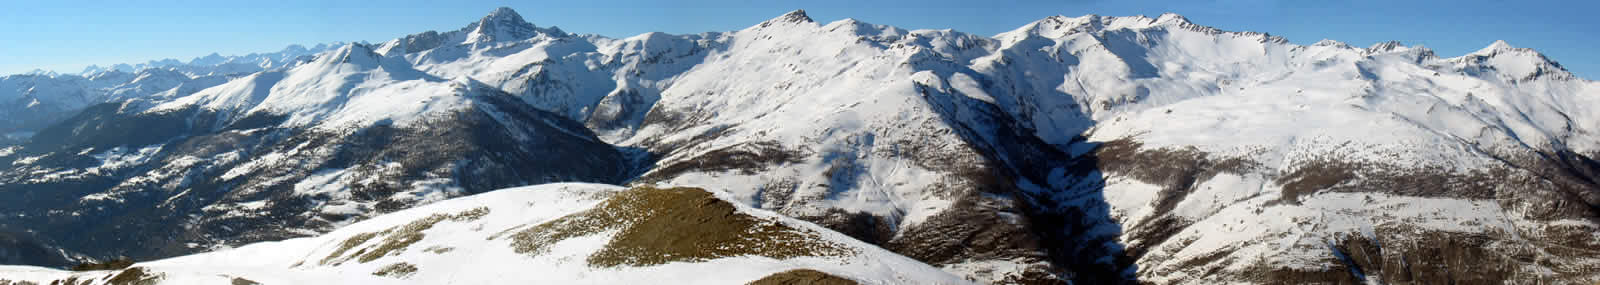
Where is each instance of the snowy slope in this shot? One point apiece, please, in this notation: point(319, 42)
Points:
point(472, 240)
point(348, 86)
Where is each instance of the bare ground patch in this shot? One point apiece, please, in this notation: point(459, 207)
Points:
point(658, 226)
point(803, 277)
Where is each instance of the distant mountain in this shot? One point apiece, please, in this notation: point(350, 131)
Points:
point(1091, 149)
point(217, 64)
point(29, 102)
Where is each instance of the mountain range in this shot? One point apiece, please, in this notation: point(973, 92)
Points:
point(1086, 150)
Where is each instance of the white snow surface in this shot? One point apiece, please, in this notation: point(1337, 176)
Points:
point(460, 252)
point(346, 88)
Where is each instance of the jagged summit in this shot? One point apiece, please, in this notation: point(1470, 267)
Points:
point(1058, 26)
point(793, 17)
point(1513, 63)
point(1332, 43)
point(501, 24)
point(1500, 46)
point(503, 11)
point(796, 16)
point(1170, 17)
point(505, 16)
point(1386, 46)
point(354, 53)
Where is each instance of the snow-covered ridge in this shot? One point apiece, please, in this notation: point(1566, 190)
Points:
point(217, 64)
point(349, 86)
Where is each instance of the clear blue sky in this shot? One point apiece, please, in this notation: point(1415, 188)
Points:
point(66, 35)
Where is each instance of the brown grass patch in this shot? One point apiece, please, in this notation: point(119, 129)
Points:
point(1169, 167)
point(134, 276)
point(397, 270)
point(440, 249)
point(658, 226)
point(803, 277)
point(348, 244)
point(116, 264)
point(1342, 175)
point(748, 158)
point(397, 239)
point(1312, 176)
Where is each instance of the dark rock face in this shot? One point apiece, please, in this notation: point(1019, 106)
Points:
point(18, 248)
point(19, 116)
point(181, 181)
point(422, 42)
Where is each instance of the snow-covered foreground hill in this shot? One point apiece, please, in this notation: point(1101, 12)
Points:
point(547, 234)
point(1089, 149)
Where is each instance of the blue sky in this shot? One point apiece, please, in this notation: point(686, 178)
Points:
point(65, 35)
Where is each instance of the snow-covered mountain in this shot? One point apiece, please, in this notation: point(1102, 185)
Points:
point(284, 153)
point(572, 233)
point(29, 102)
point(1090, 149)
point(217, 64)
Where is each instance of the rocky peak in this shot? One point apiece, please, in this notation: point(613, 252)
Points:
point(1170, 17)
point(796, 16)
point(1501, 47)
point(1518, 64)
point(211, 59)
point(1386, 46)
point(505, 13)
point(1498, 45)
point(1332, 43)
point(793, 17)
point(354, 53)
point(500, 25)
